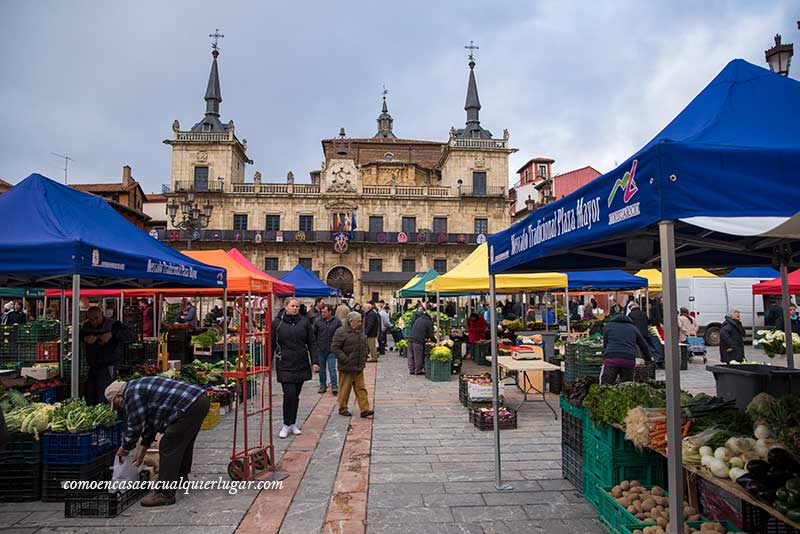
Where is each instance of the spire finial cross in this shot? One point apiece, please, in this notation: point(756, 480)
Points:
point(471, 47)
point(216, 36)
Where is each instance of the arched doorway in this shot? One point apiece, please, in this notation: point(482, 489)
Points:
point(342, 279)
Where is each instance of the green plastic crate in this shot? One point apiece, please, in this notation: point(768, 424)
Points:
point(609, 436)
point(579, 413)
point(438, 371)
point(729, 527)
point(612, 466)
point(614, 515)
point(592, 490)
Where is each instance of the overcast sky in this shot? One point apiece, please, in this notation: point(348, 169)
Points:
point(586, 83)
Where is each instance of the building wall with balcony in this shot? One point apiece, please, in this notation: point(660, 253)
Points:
point(223, 159)
point(460, 164)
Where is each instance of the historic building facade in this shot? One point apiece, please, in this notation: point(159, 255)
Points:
point(379, 210)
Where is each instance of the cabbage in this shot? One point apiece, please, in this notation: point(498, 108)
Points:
point(760, 407)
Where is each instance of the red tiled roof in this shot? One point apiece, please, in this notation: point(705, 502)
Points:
point(103, 188)
point(155, 197)
point(584, 172)
point(535, 160)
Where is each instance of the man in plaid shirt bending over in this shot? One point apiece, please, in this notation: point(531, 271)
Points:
point(156, 404)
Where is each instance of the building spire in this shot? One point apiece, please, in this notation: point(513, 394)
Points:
point(385, 121)
point(473, 104)
point(213, 94)
point(211, 122)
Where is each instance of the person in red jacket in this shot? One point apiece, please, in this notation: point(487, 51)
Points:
point(476, 326)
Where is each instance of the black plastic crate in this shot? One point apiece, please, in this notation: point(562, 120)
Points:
point(483, 422)
point(756, 520)
point(571, 432)
point(101, 503)
point(572, 467)
point(54, 474)
point(555, 382)
point(21, 449)
point(644, 372)
point(20, 482)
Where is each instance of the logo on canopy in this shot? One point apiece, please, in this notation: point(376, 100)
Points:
point(628, 185)
point(629, 189)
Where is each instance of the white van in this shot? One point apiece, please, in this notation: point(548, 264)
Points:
point(713, 298)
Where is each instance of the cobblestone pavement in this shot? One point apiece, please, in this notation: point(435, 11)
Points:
point(428, 470)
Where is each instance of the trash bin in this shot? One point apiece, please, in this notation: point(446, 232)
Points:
point(684, 356)
point(743, 382)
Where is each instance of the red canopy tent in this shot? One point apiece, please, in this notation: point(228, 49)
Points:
point(279, 287)
point(773, 287)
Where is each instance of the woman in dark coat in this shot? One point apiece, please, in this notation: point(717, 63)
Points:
point(293, 349)
point(731, 338)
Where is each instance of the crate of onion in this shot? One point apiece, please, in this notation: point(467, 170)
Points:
point(483, 418)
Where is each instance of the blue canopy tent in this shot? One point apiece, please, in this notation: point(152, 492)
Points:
point(604, 281)
point(56, 236)
point(306, 283)
point(765, 273)
point(716, 187)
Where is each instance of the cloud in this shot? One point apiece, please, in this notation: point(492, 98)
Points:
point(582, 82)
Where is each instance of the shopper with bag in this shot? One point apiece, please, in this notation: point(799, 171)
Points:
point(155, 404)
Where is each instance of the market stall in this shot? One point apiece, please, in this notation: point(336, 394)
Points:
point(417, 289)
point(664, 205)
point(59, 237)
point(279, 287)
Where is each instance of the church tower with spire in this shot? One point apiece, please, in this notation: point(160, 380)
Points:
point(473, 161)
point(208, 157)
point(385, 122)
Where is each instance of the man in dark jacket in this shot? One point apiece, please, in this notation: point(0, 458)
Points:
point(372, 327)
point(421, 331)
point(324, 328)
point(639, 319)
point(103, 340)
point(293, 347)
point(16, 315)
point(620, 341)
point(350, 347)
point(316, 310)
point(731, 338)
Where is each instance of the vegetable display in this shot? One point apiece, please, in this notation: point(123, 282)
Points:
point(577, 390)
point(611, 404)
point(205, 340)
point(76, 417)
point(31, 419)
point(402, 344)
point(648, 505)
point(11, 399)
point(440, 353)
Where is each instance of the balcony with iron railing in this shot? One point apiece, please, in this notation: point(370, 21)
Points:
point(480, 144)
point(489, 191)
point(186, 186)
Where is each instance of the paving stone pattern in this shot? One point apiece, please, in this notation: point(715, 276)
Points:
point(430, 470)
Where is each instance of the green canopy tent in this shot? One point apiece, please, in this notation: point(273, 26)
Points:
point(418, 288)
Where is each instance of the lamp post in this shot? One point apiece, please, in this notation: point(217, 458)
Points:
point(779, 56)
point(192, 218)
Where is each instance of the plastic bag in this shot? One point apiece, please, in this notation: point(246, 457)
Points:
point(124, 470)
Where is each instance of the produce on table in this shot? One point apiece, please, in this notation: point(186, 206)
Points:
point(577, 390)
point(486, 416)
point(765, 478)
point(647, 427)
point(76, 417)
point(611, 404)
point(44, 384)
point(648, 505)
point(11, 399)
point(710, 527)
point(31, 419)
point(205, 340)
point(787, 499)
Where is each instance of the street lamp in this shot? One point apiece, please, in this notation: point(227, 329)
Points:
point(779, 56)
point(191, 216)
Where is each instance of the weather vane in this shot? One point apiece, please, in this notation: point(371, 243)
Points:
point(471, 47)
point(216, 36)
point(385, 91)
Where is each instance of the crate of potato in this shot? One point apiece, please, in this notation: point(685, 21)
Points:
point(630, 503)
point(689, 527)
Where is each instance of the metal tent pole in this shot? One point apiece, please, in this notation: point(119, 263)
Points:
point(495, 385)
point(753, 314)
point(566, 307)
point(156, 317)
point(76, 337)
point(438, 313)
point(62, 314)
point(225, 328)
point(787, 320)
point(673, 376)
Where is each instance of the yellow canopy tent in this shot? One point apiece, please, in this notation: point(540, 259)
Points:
point(654, 276)
point(472, 276)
